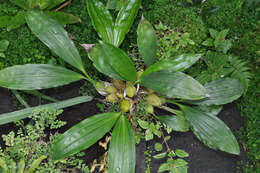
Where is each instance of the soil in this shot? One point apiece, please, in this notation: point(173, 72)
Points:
point(201, 159)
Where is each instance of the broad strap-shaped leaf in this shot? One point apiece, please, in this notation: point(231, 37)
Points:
point(176, 122)
point(178, 63)
point(212, 110)
point(54, 3)
point(121, 155)
point(174, 84)
point(63, 18)
point(220, 92)
point(211, 131)
point(53, 35)
point(147, 41)
point(5, 21)
point(36, 76)
point(113, 62)
point(24, 113)
point(101, 20)
point(83, 135)
point(124, 20)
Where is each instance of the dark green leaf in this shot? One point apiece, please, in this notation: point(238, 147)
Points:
point(213, 33)
point(176, 122)
point(101, 20)
point(147, 42)
point(220, 92)
point(113, 62)
point(174, 84)
point(178, 63)
point(20, 3)
point(54, 3)
point(36, 76)
point(121, 155)
point(63, 18)
point(211, 130)
point(83, 135)
point(53, 35)
point(209, 42)
point(5, 21)
point(4, 45)
point(212, 110)
point(18, 115)
point(12, 22)
point(124, 20)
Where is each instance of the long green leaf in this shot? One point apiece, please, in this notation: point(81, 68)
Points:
point(12, 22)
point(36, 76)
point(63, 18)
point(18, 115)
point(211, 130)
point(113, 62)
point(101, 20)
point(176, 122)
point(53, 35)
point(174, 84)
point(124, 20)
point(5, 21)
point(147, 41)
point(83, 135)
point(121, 156)
point(178, 63)
point(220, 92)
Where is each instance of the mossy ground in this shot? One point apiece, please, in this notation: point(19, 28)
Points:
point(195, 19)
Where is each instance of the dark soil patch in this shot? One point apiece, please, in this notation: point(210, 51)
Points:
point(201, 159)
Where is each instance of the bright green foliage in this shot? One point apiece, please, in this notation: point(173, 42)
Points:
point(31, 142)
point(12, 22)
point(174, 166)
point(150, 128)
point(218, 40)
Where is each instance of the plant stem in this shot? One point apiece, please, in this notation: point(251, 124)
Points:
point(174, 111)
point(63, 5)
point(20, 99)
point(39, 94)
point(167, 146)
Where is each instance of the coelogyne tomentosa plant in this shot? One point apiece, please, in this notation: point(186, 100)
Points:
point(163, 79)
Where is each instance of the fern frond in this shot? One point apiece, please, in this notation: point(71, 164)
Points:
point(240, 71)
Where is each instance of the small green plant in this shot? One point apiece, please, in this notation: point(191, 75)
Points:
point(218, 40)
point(160, 83)
point(3, 47)
point(20, 167)
point(12, 22)
point(28, 149)
point(170, 41)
